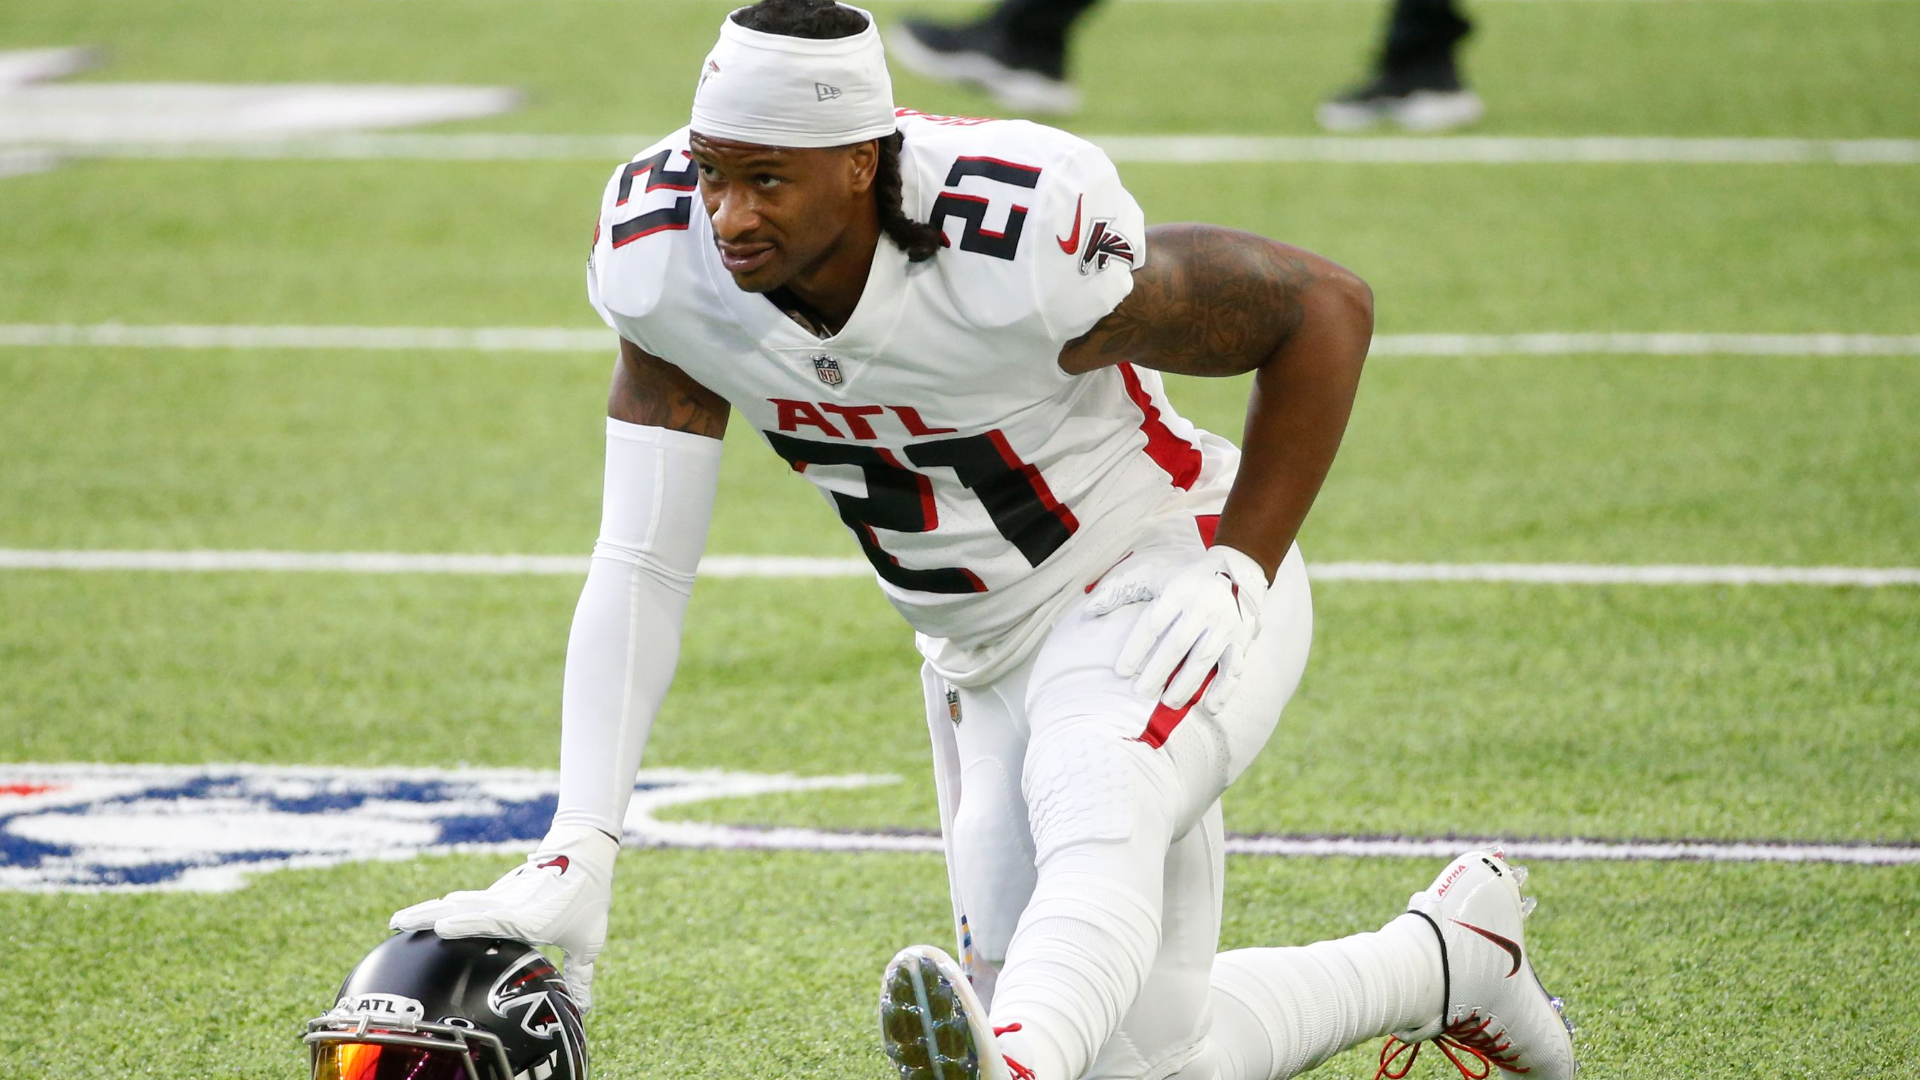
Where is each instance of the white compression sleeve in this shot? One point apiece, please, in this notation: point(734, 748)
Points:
point(1279, 1012)
point(626, 630)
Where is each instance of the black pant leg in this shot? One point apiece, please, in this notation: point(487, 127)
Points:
point(1421, 35)
point(1039, 25)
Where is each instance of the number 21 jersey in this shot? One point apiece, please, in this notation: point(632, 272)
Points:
point(985, 485)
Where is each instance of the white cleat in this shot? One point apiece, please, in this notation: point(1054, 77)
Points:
point(1020, 89)
point(1418, 110)
point(1497, 1015)
point(931, 1023)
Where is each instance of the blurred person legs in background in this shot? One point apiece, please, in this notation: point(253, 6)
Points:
point(1017, 53)
point(1417, 82)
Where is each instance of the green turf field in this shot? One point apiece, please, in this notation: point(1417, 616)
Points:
point(1723, 712)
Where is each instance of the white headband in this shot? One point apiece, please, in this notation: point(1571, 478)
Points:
point(775, 90)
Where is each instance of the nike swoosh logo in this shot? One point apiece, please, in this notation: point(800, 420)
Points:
point(561, 862)
point(1071, 242)
point(1513, 948)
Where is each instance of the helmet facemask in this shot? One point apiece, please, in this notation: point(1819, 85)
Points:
point(364, 1047)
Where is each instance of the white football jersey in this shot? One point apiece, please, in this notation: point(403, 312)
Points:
point(984, 484)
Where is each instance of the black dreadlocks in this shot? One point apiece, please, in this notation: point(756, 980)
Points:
point(824, 20)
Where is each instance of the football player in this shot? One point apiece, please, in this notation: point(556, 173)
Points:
point(955, 329)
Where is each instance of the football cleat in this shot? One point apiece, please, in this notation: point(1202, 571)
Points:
point(982, 56)
point(1430, 98)
point(1497, 1016)
point(932, 1025)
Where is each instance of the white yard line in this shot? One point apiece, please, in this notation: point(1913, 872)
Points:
point(1509, 150)
point(386, 338)
point(22, 162)
point(756, 566)
point(1647, 344)
point(1584, 849)
point(205, 823)
point(1616, 574)
point(1381, 150)
point(553, 339)
point(735, 837)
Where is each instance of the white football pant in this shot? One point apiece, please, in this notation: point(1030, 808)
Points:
point(1085, 856)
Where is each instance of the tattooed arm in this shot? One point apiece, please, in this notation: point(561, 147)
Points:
point(1216, 302)
point(653, 393)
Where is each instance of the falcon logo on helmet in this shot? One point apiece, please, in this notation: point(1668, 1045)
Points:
point(533, 991)
point(527, 988)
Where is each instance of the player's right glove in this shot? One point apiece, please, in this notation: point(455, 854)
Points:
point(1200, 623)
point(559, 896)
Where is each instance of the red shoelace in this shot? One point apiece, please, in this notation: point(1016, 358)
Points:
point(1019, 1071)
point(1484, 1051)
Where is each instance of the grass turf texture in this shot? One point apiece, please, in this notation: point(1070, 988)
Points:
point(749, 965)
point(1575, 459)
point(1733, 713)
point(1793, 249)
point(1836, 68)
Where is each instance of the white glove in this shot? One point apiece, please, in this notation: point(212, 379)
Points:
point(559, 896)
point(1201, 622)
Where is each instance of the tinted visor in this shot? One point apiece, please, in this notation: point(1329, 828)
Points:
point(375, 1061)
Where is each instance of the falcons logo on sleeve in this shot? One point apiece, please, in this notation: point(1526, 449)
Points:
point(1104, 244)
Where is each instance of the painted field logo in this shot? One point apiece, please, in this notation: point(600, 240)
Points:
point(205, 828)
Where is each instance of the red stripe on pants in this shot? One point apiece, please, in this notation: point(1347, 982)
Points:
point(1164, 720)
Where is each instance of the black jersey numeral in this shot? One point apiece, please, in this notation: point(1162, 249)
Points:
point(677, 214)
point(897, 498)
point(972, 209)
point(1013, 493)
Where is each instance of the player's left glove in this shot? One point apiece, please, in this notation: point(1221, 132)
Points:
point(559, 896)
point(1200, 623)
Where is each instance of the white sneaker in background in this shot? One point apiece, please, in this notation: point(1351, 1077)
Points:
point(1436, 102)
point(978, 57)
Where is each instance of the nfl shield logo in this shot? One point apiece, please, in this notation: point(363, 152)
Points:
point(827, 368)
point(953, 705)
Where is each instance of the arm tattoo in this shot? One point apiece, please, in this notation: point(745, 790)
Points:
point(1210, 301)
point(651, 392)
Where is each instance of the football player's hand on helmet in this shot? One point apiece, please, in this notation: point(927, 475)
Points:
point(559, 896)
point(1200, 622)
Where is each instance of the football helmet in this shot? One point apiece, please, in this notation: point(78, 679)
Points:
point(422, 1007)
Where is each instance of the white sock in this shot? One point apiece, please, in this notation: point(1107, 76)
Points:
point(1075, 966)
point(1279, 1012)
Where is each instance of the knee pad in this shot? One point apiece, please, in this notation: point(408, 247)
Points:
point(1085, 783)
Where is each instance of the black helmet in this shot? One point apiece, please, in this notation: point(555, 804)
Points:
point(423, 1007)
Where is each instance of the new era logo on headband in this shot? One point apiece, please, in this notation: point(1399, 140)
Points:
point(823, 92)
